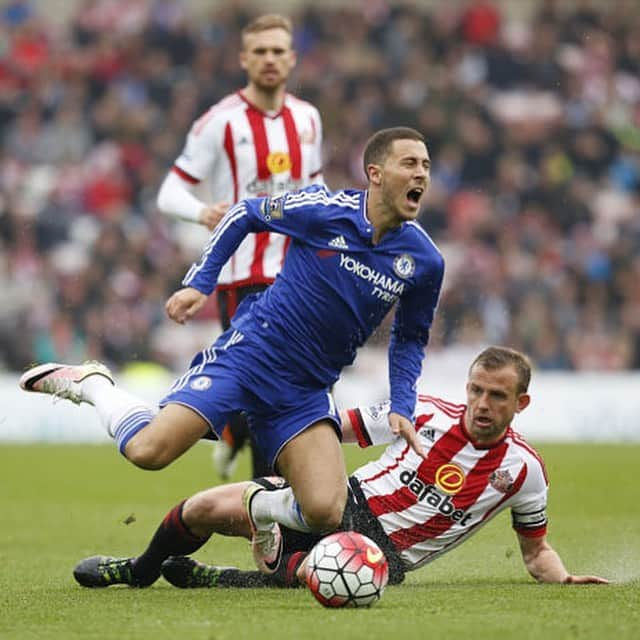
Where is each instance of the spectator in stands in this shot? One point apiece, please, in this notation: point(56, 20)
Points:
point(531, 120)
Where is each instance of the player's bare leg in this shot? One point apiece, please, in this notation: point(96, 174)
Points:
point(173, 430)
point(314, 466)
point(149, 441)
point(218, 510)
point(182, 531)
point(314, 502)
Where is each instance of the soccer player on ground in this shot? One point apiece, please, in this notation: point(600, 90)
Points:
point(259, 141)
point(415, 508)
point(354, 254)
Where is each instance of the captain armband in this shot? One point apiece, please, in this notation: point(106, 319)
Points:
point(529, 521)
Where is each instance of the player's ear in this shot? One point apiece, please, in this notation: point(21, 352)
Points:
point(374, 174)
point(243, 59)
point(523, 402)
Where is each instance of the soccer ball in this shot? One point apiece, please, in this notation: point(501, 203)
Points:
point(347, 569)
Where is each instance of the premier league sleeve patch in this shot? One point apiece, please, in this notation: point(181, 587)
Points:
point(272, 208)
point(404, 266)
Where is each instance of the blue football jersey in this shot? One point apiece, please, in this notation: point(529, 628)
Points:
point(335, 287)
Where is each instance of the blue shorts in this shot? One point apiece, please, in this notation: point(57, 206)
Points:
point(232, 376)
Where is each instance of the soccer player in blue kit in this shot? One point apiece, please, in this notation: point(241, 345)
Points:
point(353, 255)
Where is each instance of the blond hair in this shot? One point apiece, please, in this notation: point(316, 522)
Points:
point(266, 22)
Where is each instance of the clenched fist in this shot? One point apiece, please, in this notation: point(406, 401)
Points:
point(184, 304)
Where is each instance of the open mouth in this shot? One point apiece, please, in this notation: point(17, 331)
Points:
point(414, 195)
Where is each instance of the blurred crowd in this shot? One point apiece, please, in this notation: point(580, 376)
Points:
point(532, 122)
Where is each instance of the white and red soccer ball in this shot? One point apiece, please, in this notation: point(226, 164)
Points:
point(347, 569)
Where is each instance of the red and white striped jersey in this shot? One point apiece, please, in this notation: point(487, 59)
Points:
point(428, 506)
point(244, 152)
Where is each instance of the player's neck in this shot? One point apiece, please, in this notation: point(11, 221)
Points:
point(380, 216)
point(267, 101)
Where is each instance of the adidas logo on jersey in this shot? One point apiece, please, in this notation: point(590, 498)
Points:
point(339, 243)
point(429, 434)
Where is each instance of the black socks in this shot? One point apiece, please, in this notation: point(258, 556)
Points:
point(172, 538)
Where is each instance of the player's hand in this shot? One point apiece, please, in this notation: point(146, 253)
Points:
point(585, 580)
point(403, 427)
point(184, 304)
point(211, 215)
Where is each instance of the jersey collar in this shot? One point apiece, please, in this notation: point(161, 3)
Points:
point(267, 114)
point(366, 226)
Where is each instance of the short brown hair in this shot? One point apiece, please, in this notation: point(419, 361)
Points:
point(493, 358)
point(379, 144)
point(268, 21)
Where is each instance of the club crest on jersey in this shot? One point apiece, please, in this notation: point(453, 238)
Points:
point(278, 162)
point(404, 265)
point(501, 481)
point(272, 208)
point(201, 383)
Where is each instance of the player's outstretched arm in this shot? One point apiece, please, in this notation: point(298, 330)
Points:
point(545, 565)
point(184, 304)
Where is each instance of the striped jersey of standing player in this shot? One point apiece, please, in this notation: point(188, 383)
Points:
point(259, 141)
point(247, 153)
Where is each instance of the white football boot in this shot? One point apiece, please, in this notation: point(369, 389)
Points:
point(63, 380)
point(266, 544)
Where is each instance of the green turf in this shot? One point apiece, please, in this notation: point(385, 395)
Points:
point(61, 503)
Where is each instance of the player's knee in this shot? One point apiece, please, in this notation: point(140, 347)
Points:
point(323, 519)
point(325, 513)
point(147, 454)
point(198, 513)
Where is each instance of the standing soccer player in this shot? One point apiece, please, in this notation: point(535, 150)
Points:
point(259, 141)
point(353, 256)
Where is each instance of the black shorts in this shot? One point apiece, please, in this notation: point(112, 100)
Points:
point(229, 299)
point(357, 517)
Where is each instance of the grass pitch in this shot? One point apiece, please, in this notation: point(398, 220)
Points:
point(59, 504)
